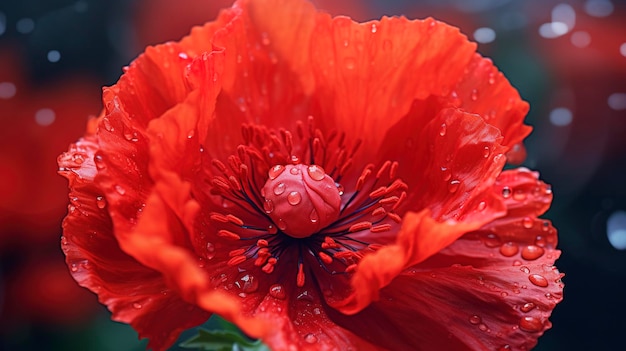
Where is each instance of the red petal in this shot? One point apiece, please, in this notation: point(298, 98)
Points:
point(485, 91)
point(486, 295)
point(368, 74)
point(134, 293)
point(448, 163)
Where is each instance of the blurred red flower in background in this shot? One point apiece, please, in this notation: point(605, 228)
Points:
point(321, 183)
point(37, 123)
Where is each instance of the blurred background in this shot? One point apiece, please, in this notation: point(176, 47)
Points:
point(567, 58)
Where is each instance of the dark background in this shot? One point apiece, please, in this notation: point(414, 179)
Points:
point(567, 58)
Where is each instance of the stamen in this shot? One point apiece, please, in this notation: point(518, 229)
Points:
point(300, 276)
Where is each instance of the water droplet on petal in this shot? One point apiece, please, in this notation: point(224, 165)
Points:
point(446, 174)
point(442, 129)
point(294, 198)
point(350, 63)
point(279, 188)
point(339, 188)
point(310, 339)
point(314, 217)
point(481, 206)
point(268, 206)
point(506, 192)
point(278, 292)
point(527, 307)
point(454, 186)
point(527, 222)
point(101, 202)
point(538, 280)
point(282, 225)
point(524, 269)
point(486, 152)
point(275, 171)
point(247, 283)
point(120, 190)
point(316, 172)
point(532, 252)
point(474, 95)
point(374, 28)
point(137, 305)
point(509, 249)
point(530, 324)
point(483, 327)
point(492, 240)
point(210, 250)
point(74, 268)
point(475, 319)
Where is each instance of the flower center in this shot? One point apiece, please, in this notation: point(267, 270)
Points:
point(274, 209)
point(301, 199)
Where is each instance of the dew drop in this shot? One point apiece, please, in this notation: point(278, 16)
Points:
point(74, 268)
point(524, 269)
point(509, 249)
point(191, 133)
point(282, 225)
point(519, 195)
point(294, 170)
point(492, 78)
point(374, 28)
point(268, 206)
point(538, 280)
point(530, 324)
point(107, 124)
point(279, 188)
point(248, 284)
point(474, 319)
point(483, 327)
point(310, 339)
point(294, 198)
point(474, 95)
point(314, 216)
point(527, 222)
point(275, 171)
point(316, 172)
point(137, 305)
point(265, 39)
point(210, 250)
point(527, 307)
point(492, 240)
point(532, 252)
point(446, 174)
point(340, 188)
point(278, 292)
point(481, 206)
point(101, 202)
point(506, 192)
point(453, 186)
point(350, 63)
point(486, 152)
point(442, 129)
point(120, 190)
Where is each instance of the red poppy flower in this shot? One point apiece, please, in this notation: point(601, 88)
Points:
point(319, 182)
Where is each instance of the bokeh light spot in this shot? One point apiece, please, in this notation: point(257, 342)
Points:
point(484, 35)
point(561, 116)
point(599, 8)
point(553, 29)
point(616, 230)
point(25, 25)
point(7, 90)
point(580, 39)
point(45, 117)
point(617, 101)
point(54, 56)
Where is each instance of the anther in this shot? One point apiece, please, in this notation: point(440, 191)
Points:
point(325, 258)
point(300, 276)
point(234, 219)
point(360, 226)
point(228, 235)
point(237, 252)
point(380, 228)
point(237, 260)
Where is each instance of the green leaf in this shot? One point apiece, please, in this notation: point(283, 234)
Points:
point(222, 340)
